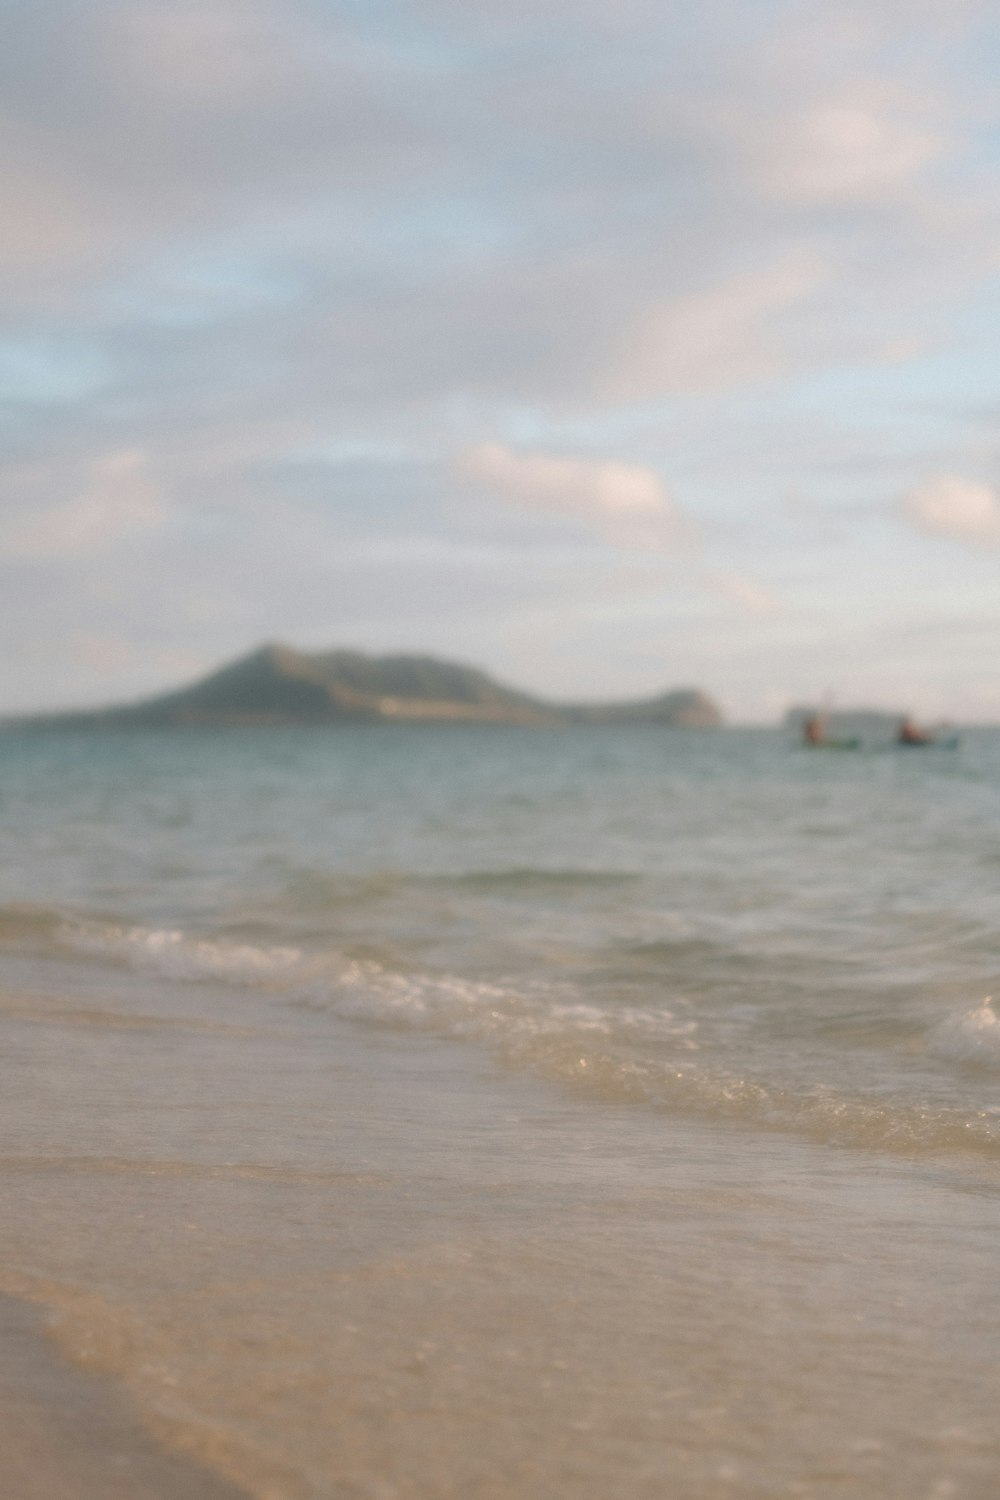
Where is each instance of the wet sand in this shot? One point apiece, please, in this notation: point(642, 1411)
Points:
point(329, 1260)
point(64, 1434)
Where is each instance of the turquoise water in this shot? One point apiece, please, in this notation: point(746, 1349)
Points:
point(427, 1113)
point(718, 923)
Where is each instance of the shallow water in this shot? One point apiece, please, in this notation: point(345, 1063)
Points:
point(426, 1112)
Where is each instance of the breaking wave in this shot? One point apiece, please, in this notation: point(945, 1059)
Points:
point(973, 1037)
point(661, 1055)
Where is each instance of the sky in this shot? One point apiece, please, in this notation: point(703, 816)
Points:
point(609, 347)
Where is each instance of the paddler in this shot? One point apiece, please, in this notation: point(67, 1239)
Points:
point(814, 729)
point(910, 733)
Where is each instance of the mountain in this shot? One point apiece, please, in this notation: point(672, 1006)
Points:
point(277, 685)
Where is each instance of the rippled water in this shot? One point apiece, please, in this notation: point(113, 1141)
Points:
point(686, 932)
point(714, 923)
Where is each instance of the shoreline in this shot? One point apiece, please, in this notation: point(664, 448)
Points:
point(65, 1433)
point(324, 1258)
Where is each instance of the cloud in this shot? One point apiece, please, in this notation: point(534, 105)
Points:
point(129, 124)
point(626, 505)
point(745, 592)
point(118, 499)
point(864, 143)
point(241, 232)
point(967, 510)
point(213, 52)
point(720, 336)
point(104, 653)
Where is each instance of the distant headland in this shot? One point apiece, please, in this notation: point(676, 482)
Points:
point(278, 685)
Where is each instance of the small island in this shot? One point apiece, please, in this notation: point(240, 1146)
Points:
point(278, 685)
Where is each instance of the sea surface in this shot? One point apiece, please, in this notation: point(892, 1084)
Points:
point(461, 1113)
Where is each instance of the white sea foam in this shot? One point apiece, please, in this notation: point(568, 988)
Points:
point(505, 1012)
point(621, 1052)
point(636, 1053)
point(174, 955)
point(326, 980)
point(972, 1037)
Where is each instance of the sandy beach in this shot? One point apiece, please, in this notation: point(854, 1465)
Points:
point(64, 1434)
point(386, 1266)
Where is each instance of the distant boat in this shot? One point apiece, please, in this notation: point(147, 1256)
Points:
point(932, 742)
point(910, 736)
point(815, 737)
point(850, 743)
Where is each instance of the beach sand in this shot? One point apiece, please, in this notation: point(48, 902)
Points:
point(327, 1260)
point(64, 1434)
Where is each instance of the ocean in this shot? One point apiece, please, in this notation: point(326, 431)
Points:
point(464, 1113)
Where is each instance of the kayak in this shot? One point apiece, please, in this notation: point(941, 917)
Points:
point(944, 742)
point(842, 744)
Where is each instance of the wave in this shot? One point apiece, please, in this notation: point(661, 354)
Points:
point(367, 989)
point(667, 1054)
point(531, 877)
point(173, 954)
point(660, 1054)
point(28, 926)
point(973, 1037)
point(308, 892)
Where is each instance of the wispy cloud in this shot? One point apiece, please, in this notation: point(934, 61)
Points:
point(746, 593)
point(117, 500)
point(865, 142)
point(715, 337)
point(966, 510)
point(626, 505)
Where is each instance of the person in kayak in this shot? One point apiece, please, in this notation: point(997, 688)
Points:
point(814, 729)
point(816, 735)
point(910, 733)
